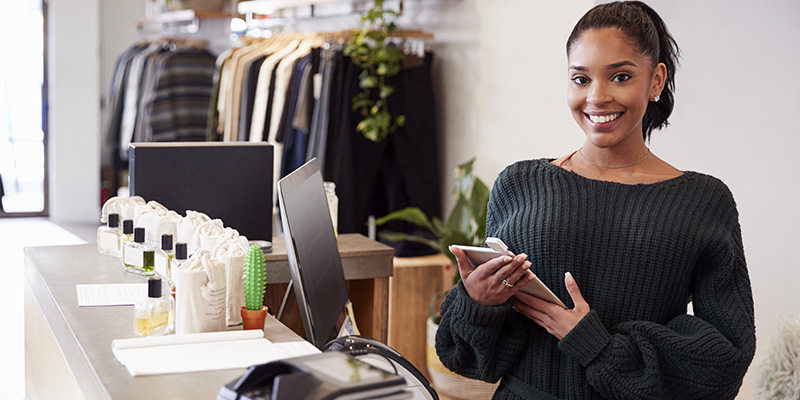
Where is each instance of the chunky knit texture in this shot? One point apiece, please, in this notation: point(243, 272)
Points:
point(639, 253)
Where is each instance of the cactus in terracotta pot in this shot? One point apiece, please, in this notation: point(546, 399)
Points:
point(254, 277)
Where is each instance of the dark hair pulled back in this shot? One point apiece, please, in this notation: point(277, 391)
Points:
point(645, 28)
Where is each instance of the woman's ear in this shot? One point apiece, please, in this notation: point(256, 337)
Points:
point(659, 79)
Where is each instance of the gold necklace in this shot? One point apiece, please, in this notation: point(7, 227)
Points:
point(580, 153)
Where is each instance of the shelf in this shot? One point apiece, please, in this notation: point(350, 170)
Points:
point(269, 7)
point(178, 21)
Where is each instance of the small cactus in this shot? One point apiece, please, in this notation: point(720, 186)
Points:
point(254, 277)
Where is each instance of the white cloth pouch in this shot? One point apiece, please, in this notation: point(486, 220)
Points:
point(233, 253)
point(208, 233)
point(200, 294)
point(223, 240)
point(157, 221)
point(188, 229)
point(124, 206)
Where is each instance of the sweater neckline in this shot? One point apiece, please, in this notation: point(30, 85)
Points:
point(685, 175)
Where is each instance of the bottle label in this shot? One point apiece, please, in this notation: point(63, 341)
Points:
point(108, 241)
point(162, 264)
point(133, 257)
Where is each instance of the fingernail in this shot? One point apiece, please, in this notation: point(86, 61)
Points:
point(507, 259)
point(569, 277)
point(450, 247)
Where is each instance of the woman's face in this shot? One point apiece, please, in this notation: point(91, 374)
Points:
point(611, 83)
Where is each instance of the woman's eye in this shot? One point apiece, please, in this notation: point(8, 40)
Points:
point(621, 78)
point(580, 80)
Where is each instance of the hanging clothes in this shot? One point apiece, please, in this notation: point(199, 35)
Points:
point(160, 92)
point(294, 91)
point(378, 178)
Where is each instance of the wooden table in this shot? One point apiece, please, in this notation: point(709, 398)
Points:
point(367, 267)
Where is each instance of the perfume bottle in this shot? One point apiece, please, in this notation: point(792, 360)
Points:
point(181, 256)
point(154, 314)
point(164, 257)
point(127, 232)
point(138, 256)
point(109, 237)
point(333, 205)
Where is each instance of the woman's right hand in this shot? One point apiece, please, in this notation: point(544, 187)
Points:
point(485, 283)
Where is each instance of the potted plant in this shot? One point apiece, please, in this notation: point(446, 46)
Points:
point(254, 312)
point(466, 224)
point(378, 60)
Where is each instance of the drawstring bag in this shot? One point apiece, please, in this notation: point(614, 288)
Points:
point(188, 229)
point(232, 253)
point(208, 233)
point(124, 206)
point(156, 220)
point(200, 294)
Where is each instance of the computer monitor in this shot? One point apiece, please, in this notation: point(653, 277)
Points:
point(231, 181)
point(317, 274)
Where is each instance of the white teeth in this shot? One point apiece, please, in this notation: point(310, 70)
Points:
point(601, 119)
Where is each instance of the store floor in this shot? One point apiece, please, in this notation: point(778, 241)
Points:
point(16, 233)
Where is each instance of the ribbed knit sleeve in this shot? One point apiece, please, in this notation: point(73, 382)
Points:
point(476, 341)
point(639, 254)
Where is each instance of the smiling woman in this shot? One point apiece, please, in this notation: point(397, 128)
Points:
point(641, 238)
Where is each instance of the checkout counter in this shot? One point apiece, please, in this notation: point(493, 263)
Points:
point(68, 348)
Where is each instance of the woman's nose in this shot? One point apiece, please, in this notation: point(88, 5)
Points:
point(598, 94)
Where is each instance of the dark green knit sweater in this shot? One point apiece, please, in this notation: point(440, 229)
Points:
point(639, 253)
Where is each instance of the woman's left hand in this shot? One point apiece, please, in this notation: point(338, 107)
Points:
point(552, 317)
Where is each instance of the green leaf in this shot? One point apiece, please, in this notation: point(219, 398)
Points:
point(383, 69)
point(400, 237)
point(400, 120)
point(479, 202)
point(462, 179)
point(413, 215)
point(386, 91)
point(361, 104)
point(368, 82)
point(460, 218)
point(439, 227)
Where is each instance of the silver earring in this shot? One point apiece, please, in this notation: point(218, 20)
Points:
point(656, 99)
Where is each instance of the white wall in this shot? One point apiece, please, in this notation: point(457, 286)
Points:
point(74, 110)
point(118, 33)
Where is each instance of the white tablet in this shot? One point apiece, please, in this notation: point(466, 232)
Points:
point(480, 255)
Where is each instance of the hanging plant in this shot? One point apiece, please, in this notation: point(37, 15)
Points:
point(369, 51)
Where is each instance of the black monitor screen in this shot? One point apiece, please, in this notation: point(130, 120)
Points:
point(316, 267)
point(228, 181)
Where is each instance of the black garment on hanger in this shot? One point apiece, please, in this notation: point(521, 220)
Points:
point(379, 178)
point(249, 84)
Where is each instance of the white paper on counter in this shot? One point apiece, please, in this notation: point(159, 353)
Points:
point(114, 294)
point(202, 352)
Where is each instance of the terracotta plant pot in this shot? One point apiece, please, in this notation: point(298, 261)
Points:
point(254, 319)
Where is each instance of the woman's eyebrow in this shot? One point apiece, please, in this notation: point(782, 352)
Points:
point(609, 66)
